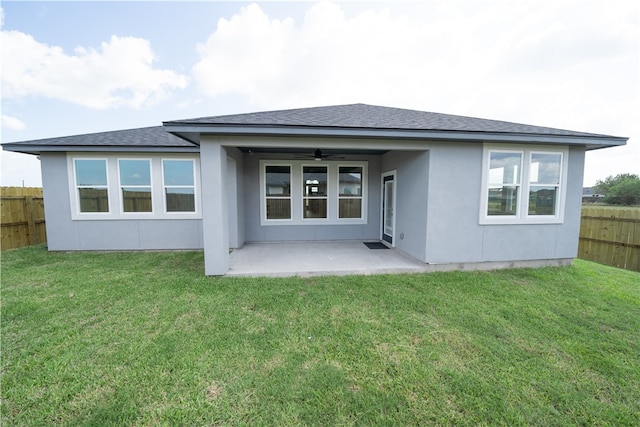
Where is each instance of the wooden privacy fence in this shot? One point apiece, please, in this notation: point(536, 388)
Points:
point(610, 236)
point(21, 217)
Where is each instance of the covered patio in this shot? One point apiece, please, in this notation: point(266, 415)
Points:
point(319, 258)
point(341, 258)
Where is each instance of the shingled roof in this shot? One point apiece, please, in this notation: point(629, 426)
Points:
point(363, 116)
point(339, 121)
point(147, 139)
point(371, 121)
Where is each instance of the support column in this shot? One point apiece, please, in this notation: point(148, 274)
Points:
point(213, 172)
point(232, 200)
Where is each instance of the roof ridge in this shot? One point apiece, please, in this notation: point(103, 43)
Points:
point(281, 110)
point(369, 116)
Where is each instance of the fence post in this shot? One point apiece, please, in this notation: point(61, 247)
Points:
point(31, 220)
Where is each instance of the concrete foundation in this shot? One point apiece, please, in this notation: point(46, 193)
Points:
point(339, 258)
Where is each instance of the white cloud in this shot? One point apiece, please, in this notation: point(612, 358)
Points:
point(327, 58)
point(440, 56)
point(12, 123)
point(120, 73)
point(18, 170)
point(566, 64)
point(245, 53)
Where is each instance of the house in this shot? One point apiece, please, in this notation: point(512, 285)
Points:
point(440, 188)
point(590, 196)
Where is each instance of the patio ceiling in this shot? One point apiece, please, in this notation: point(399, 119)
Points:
point(304, 151)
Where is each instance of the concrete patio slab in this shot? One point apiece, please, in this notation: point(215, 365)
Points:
point(318, 259)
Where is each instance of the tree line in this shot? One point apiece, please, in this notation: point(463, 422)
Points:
point(622, 189)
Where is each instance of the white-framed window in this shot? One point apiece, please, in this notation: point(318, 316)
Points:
point(135, 185)
point(522, 185)
point(126, 186)
point(505, 176)
point(178, 180)
point(277, 192)
point(91, 185)
point(545, 178)
point(350, 179)
point(314, 192)
point(297, 192)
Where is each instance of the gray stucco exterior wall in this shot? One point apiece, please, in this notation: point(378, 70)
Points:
point(412, 195)
point(454, 233)
point(455, 182)
point(569, 234)
point(215, 211)
point(235, 197)
point(63, 233)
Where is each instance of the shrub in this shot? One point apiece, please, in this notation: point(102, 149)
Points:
point(622, 189)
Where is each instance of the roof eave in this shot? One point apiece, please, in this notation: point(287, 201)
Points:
point(36, 149)
point(189, 132)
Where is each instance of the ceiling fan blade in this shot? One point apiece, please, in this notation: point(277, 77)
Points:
point(318, 155)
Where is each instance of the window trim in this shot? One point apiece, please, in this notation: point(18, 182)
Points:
point(296, 167)
point(519, 184)
point(113, 187)
point(303, 197)
point(164, 187)
point(121, 186)
point(363, 196)
point(559, 185)
point(522, 212)
point(76, 208)
point(263, 192)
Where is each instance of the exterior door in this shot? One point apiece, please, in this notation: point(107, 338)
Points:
point(388, 206)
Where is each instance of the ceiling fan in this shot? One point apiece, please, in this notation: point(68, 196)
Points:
point(317, 155)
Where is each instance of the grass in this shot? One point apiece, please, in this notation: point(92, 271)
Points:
point(147, 339)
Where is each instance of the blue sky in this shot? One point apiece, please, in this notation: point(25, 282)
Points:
point(77, 67)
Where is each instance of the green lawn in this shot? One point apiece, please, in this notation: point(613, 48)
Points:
point(147, 339)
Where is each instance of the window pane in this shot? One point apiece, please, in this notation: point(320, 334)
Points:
point(315, 208)
point(136, 199)
point(91, 172)
point(178, 172)
point(542, 200)
point(278, 181)
point(504, 168)
point(545, 168)
point(278, 208)
point(93, 199)
point(350, 208)
point(135, 172)
point(180, 200)
point(315, 181)
point(350, 182)
point(503, 201)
